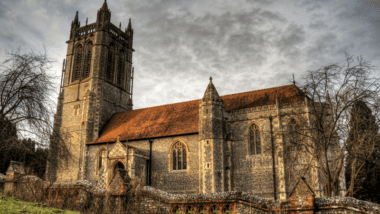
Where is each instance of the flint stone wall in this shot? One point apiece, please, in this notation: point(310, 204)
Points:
point(90, 195)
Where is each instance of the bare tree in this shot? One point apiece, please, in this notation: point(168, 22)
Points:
point(362, 136)
point(318, 140)
point(26, 106)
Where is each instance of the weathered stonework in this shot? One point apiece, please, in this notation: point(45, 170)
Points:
point(84, 196)
point(218, 150)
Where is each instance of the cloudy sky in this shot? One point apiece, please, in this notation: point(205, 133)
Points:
point(243, 44)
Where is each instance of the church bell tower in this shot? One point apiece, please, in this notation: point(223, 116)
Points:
point(97, 81)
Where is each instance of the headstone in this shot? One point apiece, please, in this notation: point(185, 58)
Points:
point(15, 171)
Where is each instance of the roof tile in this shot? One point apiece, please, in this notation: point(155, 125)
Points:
point(182, 118)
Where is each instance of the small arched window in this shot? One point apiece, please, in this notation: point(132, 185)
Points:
point(99, 160)
point(255, 140)
point(78, 62)
point(110, 63)
point(87, 69)
point(120, 69)
point(179, 156)
point(294, 136)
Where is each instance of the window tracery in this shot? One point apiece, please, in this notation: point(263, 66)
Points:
point(255, 140)
point(88, 60)
point(179, 156)
point(78, 62)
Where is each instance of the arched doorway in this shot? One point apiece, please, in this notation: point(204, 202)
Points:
point(118, 165)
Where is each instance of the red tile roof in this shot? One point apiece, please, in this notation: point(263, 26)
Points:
point(182, 118)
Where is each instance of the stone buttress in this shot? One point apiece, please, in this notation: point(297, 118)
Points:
point(212, 142)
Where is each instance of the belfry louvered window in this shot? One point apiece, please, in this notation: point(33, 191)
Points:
point(78, 62)
point(254, 140)
point(110, 63)
point(179, 156)
point(120, 69)
point(87, 69)
point(294, 136)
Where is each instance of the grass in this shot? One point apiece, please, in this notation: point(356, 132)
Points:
point(13, 205)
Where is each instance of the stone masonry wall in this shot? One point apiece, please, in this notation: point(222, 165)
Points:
point(163, 175)
point(87, 196)
point(252, 173)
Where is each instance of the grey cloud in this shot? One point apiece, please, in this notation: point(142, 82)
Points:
point(317, 24)
point(322, 45)
point(262, 2)
point(291, 38)
point(179, 44)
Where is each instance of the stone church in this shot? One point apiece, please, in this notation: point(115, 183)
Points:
point(214, 144)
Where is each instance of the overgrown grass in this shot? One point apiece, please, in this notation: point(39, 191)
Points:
point(10, 204)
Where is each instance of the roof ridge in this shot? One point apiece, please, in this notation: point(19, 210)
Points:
point(200, 99)
point(256, 90)
point(163, 105)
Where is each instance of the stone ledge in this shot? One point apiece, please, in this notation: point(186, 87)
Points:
point(346, 203)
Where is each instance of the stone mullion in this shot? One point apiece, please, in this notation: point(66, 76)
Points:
point(69, 62)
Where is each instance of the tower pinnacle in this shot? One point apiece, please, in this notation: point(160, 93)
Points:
point(129, 28)
point(105, 6)
point(211, 94)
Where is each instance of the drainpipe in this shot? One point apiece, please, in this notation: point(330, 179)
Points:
point(274, 170)
point(150, 163)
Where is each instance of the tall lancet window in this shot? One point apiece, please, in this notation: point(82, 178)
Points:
point(254, 140)
point(179, 156)
point(110, 63)
point(100, 161)
point(294, 136)
point(87, 69)
point(127, 79)
point(78, 62)
point(120, 69)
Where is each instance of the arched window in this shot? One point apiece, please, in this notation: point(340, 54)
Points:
point(100, 161)
point(120, 69)
point(78, 62)
point(254, 140)
point(86, 72)
point(294, 137)
point(110, 62)
point(179, 156)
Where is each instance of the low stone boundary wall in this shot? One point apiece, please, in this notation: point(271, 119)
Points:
point(85, 197)
point(243, 203)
